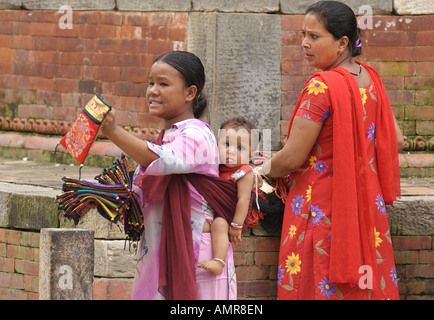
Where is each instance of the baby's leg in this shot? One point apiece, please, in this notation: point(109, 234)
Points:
point(220, 244)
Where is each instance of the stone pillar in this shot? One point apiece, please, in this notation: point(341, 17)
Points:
point(66, 264)
point(241, 54)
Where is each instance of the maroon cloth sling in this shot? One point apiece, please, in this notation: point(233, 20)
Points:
point(177, 275)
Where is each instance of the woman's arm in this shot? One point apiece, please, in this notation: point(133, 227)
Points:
point(301, 140)
point(134, 147)
point(399, 136)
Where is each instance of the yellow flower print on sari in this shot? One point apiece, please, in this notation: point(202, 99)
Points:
point(363, 95)
point(312, 161)
point(378, 240)
point(309, 193)
point(293, 264)
point(316, 87)
point(292, 231)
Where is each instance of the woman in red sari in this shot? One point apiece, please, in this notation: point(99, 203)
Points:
point(342, 157)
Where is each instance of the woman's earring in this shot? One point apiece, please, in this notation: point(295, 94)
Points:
point(339, 52)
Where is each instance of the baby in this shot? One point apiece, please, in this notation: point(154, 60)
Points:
point(236, 142)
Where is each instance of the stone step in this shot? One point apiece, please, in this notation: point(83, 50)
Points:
point(16, 145)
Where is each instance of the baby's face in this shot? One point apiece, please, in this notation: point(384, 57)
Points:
point(234, 147)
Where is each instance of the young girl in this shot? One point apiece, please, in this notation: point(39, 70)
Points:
point(235, 146)
point(173, 209)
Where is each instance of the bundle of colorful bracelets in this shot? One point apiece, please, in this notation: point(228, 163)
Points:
point(112, 195)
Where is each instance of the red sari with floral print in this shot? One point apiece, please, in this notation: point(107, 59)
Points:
point(307, 264)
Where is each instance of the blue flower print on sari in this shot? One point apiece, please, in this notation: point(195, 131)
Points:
point(317, 214)
point(327, 288)
point(380, 204)
point(280, 272)
point(320, 166)
point(306, 116)
point(371, 132)
point(325, 115)
point(394, 276)
point(297, 204)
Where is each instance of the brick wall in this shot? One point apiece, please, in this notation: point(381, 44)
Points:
point(255, 258)
point(19, 265)
point(256, 267)
point(414, 258)
point(49, 73)
point(401, 49)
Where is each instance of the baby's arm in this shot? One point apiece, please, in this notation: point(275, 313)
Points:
point(244, 191)
point(134, 147)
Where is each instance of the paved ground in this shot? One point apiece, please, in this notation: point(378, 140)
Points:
point(27, 176)
point(31, 173)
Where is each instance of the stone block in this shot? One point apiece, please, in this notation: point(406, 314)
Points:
point(66, 264)
point(10, 4)
point(102, 228)
point(27, 207)
point(300, 6)
point(412, 216)
point(261, 6)
point(114, 259)
point(74, 4)
point(241, 54)
point(153, 5)
point(415, 7)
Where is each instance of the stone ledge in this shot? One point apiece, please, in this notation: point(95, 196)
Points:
point(400, 7)
point(245, 6)
point(377, 6)
point(27, 207)
point(10, 4)
point(17, 141)
point(153, 5)
point(409, 161)
point(74, 4)
point(405, 7)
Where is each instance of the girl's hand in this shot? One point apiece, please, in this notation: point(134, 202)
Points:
point(234, 236)
point(109, 124)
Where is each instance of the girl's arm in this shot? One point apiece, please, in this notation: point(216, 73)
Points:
point(134, 147)
point(244, 192)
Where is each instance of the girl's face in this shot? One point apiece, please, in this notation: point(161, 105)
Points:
point(234, 147)
point(167, 95)
point(319, 46)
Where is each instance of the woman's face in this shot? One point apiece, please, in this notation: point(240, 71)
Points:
point(167, 95)
point(320, 48)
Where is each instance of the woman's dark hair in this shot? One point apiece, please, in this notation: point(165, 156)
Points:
point(340, 20)
point(192, 70)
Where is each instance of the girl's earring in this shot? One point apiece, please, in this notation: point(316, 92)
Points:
point(339, 52)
